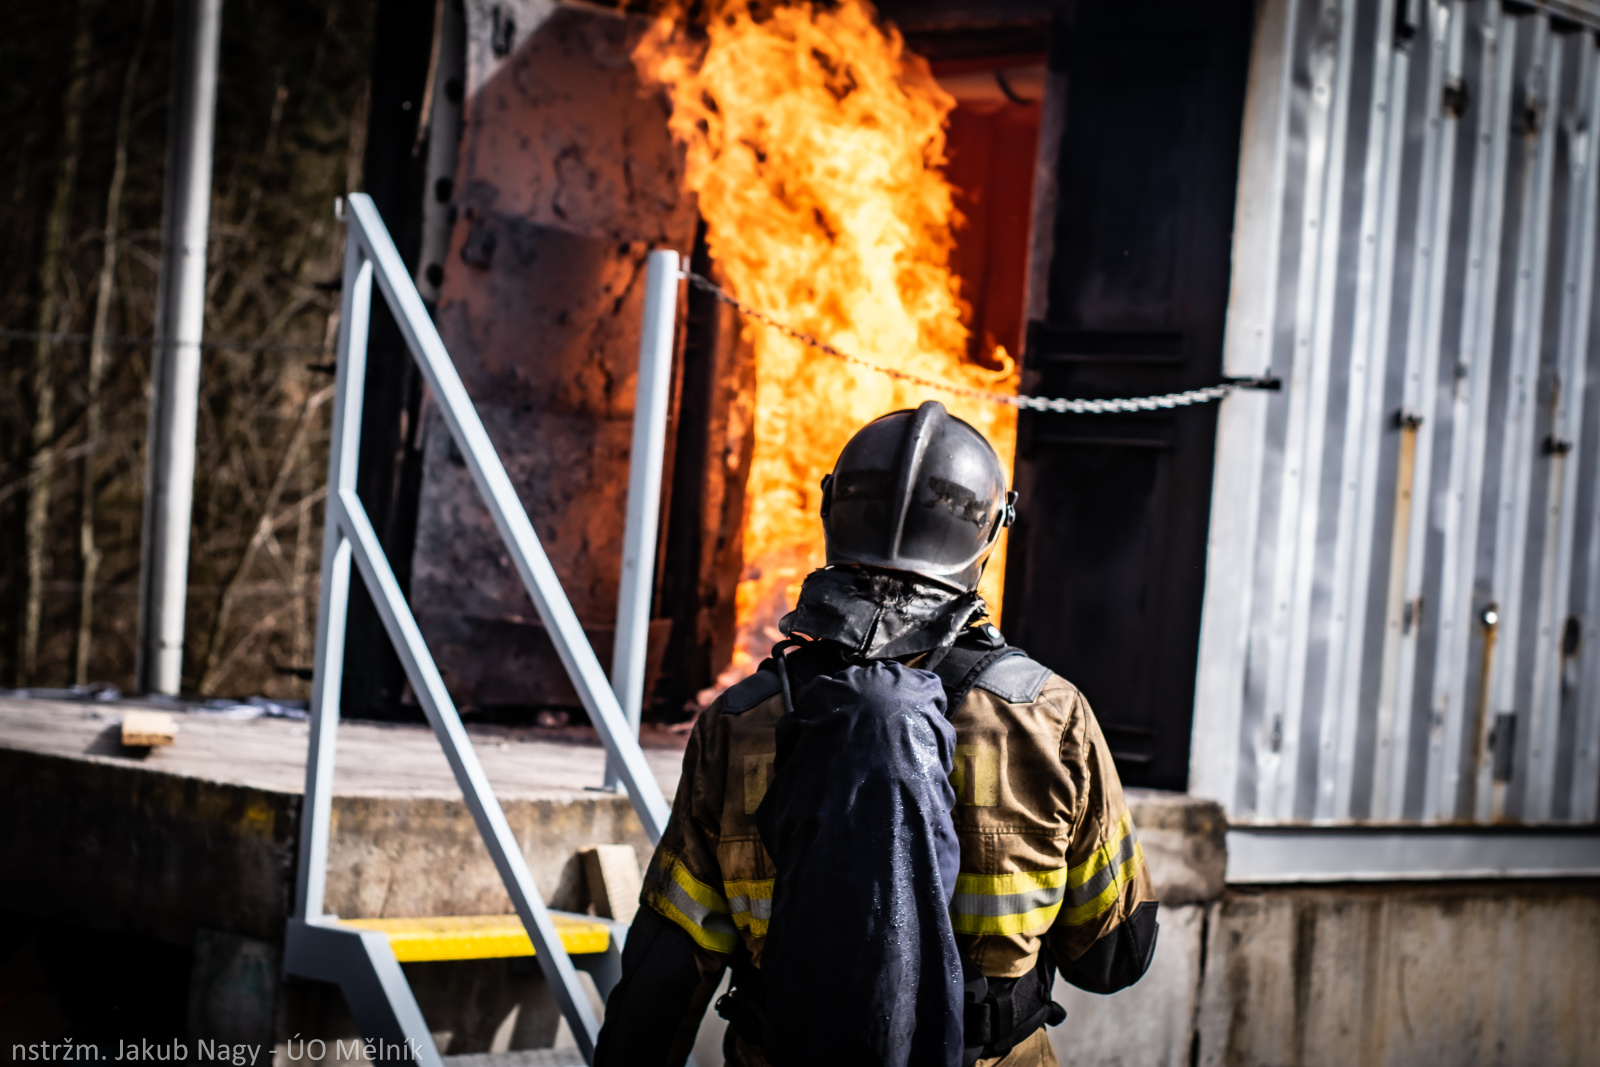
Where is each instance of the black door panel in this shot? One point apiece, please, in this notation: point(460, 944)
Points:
point(1107, 560)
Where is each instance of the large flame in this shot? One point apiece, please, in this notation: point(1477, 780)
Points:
point(815, 145)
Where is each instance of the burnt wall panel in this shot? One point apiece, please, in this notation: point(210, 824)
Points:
point(703, 551)
point(567, 178)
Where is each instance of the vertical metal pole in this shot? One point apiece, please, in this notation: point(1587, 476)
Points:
point(180, 322)
point(651, 396)
point(317, 807)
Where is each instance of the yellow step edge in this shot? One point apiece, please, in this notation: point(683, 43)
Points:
point(478, 937)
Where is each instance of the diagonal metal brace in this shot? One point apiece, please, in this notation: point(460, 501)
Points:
point(362, 965)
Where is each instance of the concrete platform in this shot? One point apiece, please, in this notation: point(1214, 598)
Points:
point(169, 875)
point(202, 834)
point(375, 759)
point(194, 844)
point(140, 841)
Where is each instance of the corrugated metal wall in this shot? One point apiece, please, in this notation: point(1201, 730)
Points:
point(1403, 576)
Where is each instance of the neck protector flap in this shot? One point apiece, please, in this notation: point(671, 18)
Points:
point(880, 614)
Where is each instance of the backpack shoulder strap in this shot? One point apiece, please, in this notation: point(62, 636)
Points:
point(758, 688)
point(981, 659)
point(1015, 679)
point(975, 651)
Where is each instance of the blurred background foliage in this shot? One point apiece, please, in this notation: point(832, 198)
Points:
point(82, 83)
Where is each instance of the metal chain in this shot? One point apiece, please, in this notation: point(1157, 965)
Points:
point(1034, 403)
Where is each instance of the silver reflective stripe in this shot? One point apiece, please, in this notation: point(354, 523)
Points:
point(1078, 896)
point(713, 921)
point(756, 907)
point(982, 904)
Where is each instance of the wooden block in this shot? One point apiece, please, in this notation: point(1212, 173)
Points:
point(146, 729)
point(612, 872)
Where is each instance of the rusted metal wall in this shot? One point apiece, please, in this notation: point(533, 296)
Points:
point(1402, 614)
point(566, 178)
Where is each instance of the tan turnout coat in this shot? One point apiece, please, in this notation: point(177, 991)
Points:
point(1048, 850)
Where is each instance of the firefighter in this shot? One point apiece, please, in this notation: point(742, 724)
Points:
point(994, 771)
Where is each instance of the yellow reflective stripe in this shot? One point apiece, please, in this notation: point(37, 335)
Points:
point(698, 891)
point(693, 905)
point(1126, 872)
point(1000, 885)
point(709, 940)
point(1007, 925)
point(1101, 857)
point(1021, 902)
point(1016, 902)
point(750, 900)
point(750, 887)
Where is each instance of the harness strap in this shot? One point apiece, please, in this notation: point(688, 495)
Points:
point(1010, 1011)
point(964, 664)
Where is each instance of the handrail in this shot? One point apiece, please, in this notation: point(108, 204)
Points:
point(650, 399)
point(350, 540)
point(527, 554)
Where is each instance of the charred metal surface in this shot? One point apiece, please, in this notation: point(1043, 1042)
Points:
point(703, 553)
point(961, 29)
point(526, 671)
point(390, 468)
point(567, 179)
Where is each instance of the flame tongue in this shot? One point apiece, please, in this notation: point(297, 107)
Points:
point(815, 144)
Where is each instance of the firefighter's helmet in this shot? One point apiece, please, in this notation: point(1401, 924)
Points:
point(917, 491)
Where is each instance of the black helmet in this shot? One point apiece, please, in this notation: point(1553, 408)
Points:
point(918, 491)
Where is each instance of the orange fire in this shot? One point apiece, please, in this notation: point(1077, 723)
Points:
point(815, 145)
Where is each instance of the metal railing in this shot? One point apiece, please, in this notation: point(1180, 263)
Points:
point(651, 397)
point(362, 962)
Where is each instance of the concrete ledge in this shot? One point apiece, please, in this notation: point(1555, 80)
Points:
point(122, 849)
point(1184, 844)
point(203, 834)
point(1461, 972)
point(399, 857)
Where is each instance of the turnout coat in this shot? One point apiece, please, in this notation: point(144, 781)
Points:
point(1050, 859)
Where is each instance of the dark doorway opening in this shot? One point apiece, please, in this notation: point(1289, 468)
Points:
point(1107, 561)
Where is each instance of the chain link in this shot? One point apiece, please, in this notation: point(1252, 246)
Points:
point(1059, 405)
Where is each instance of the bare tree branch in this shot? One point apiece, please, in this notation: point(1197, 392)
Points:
point(265, 526)
point(37, 520)
point(88, 552)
